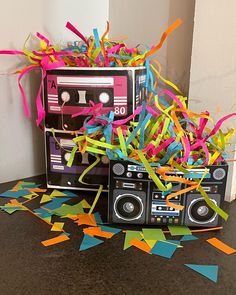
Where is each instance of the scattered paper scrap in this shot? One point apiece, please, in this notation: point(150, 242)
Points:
point(96, 231)
point(152, 235)
point(65, 210)
point(43, 213)
point(69, 193)
point(188, 238)
point(89, 242)
point(45, 198)
point(87, 219)
point(130, 235)
point(56, 193)
point(110, 229)
point(98, 218)
point(140, 245)
point(56, 240)
point(57, 226)
point(175, 242)
point(85, 204)
point(30, 196)
point(36, 190)
point(221, 246)
point(164, 249)
point(208, 271)
point(48, 219)
point(179, 230)
point(56, 203)
point(15, 194)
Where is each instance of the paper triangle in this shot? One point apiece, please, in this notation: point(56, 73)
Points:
point(45, 198)
point(130, 235)
point(188, 238)
point(89, 242)
point(57, 193)
point(57, 226)
point(85, 204)
point(208, 271)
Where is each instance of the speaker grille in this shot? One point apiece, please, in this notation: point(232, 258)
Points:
point(219, 174)
point(118, 169)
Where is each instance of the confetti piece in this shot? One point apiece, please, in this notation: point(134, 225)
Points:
point(65, 210)
point(57, 193)
point(36, 190)
point(42, 212)
point(56, 240)
point(29, 197)
point(110, 229)
point(152, 235)
point(48, 219)
point(45, 198)
point(221, 246)
point(57, 226)
point(175, 242)
point(98, 218)
point(164, 249)
point(140, 245)
point(69, 193)
point(96, 231)
point(188, 238)
point(55, 203)
point(85, 204)
point(89, 242)
point(130, 235)
point(208, 271)
point(179, 230)
point(15, 194)
point(86, 219)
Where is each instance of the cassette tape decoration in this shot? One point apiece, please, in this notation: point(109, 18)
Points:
point(59, 175)
point(69, 91)
point(135, 199)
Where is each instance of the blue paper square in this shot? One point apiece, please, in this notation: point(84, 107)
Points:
point(164, 249)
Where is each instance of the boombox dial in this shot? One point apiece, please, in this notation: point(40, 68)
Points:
point(118, 169)
point(219, 174)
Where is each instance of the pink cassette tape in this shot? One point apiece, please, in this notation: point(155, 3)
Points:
point(68, 91)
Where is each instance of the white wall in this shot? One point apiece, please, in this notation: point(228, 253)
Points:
point(142, 21)
point(179, 45)
point(213, 67)
point(84, 15)
point(21, 143)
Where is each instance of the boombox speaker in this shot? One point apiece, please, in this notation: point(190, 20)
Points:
point(135, 199)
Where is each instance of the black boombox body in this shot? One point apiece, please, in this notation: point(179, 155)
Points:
point(135, 199)
point(68, 91)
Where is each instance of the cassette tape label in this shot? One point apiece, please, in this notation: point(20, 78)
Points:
point(60, 154)
point(69, 95)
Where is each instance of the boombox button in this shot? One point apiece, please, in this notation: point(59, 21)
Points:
point(129, 174)
point(140, 175)
point(158, 219)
